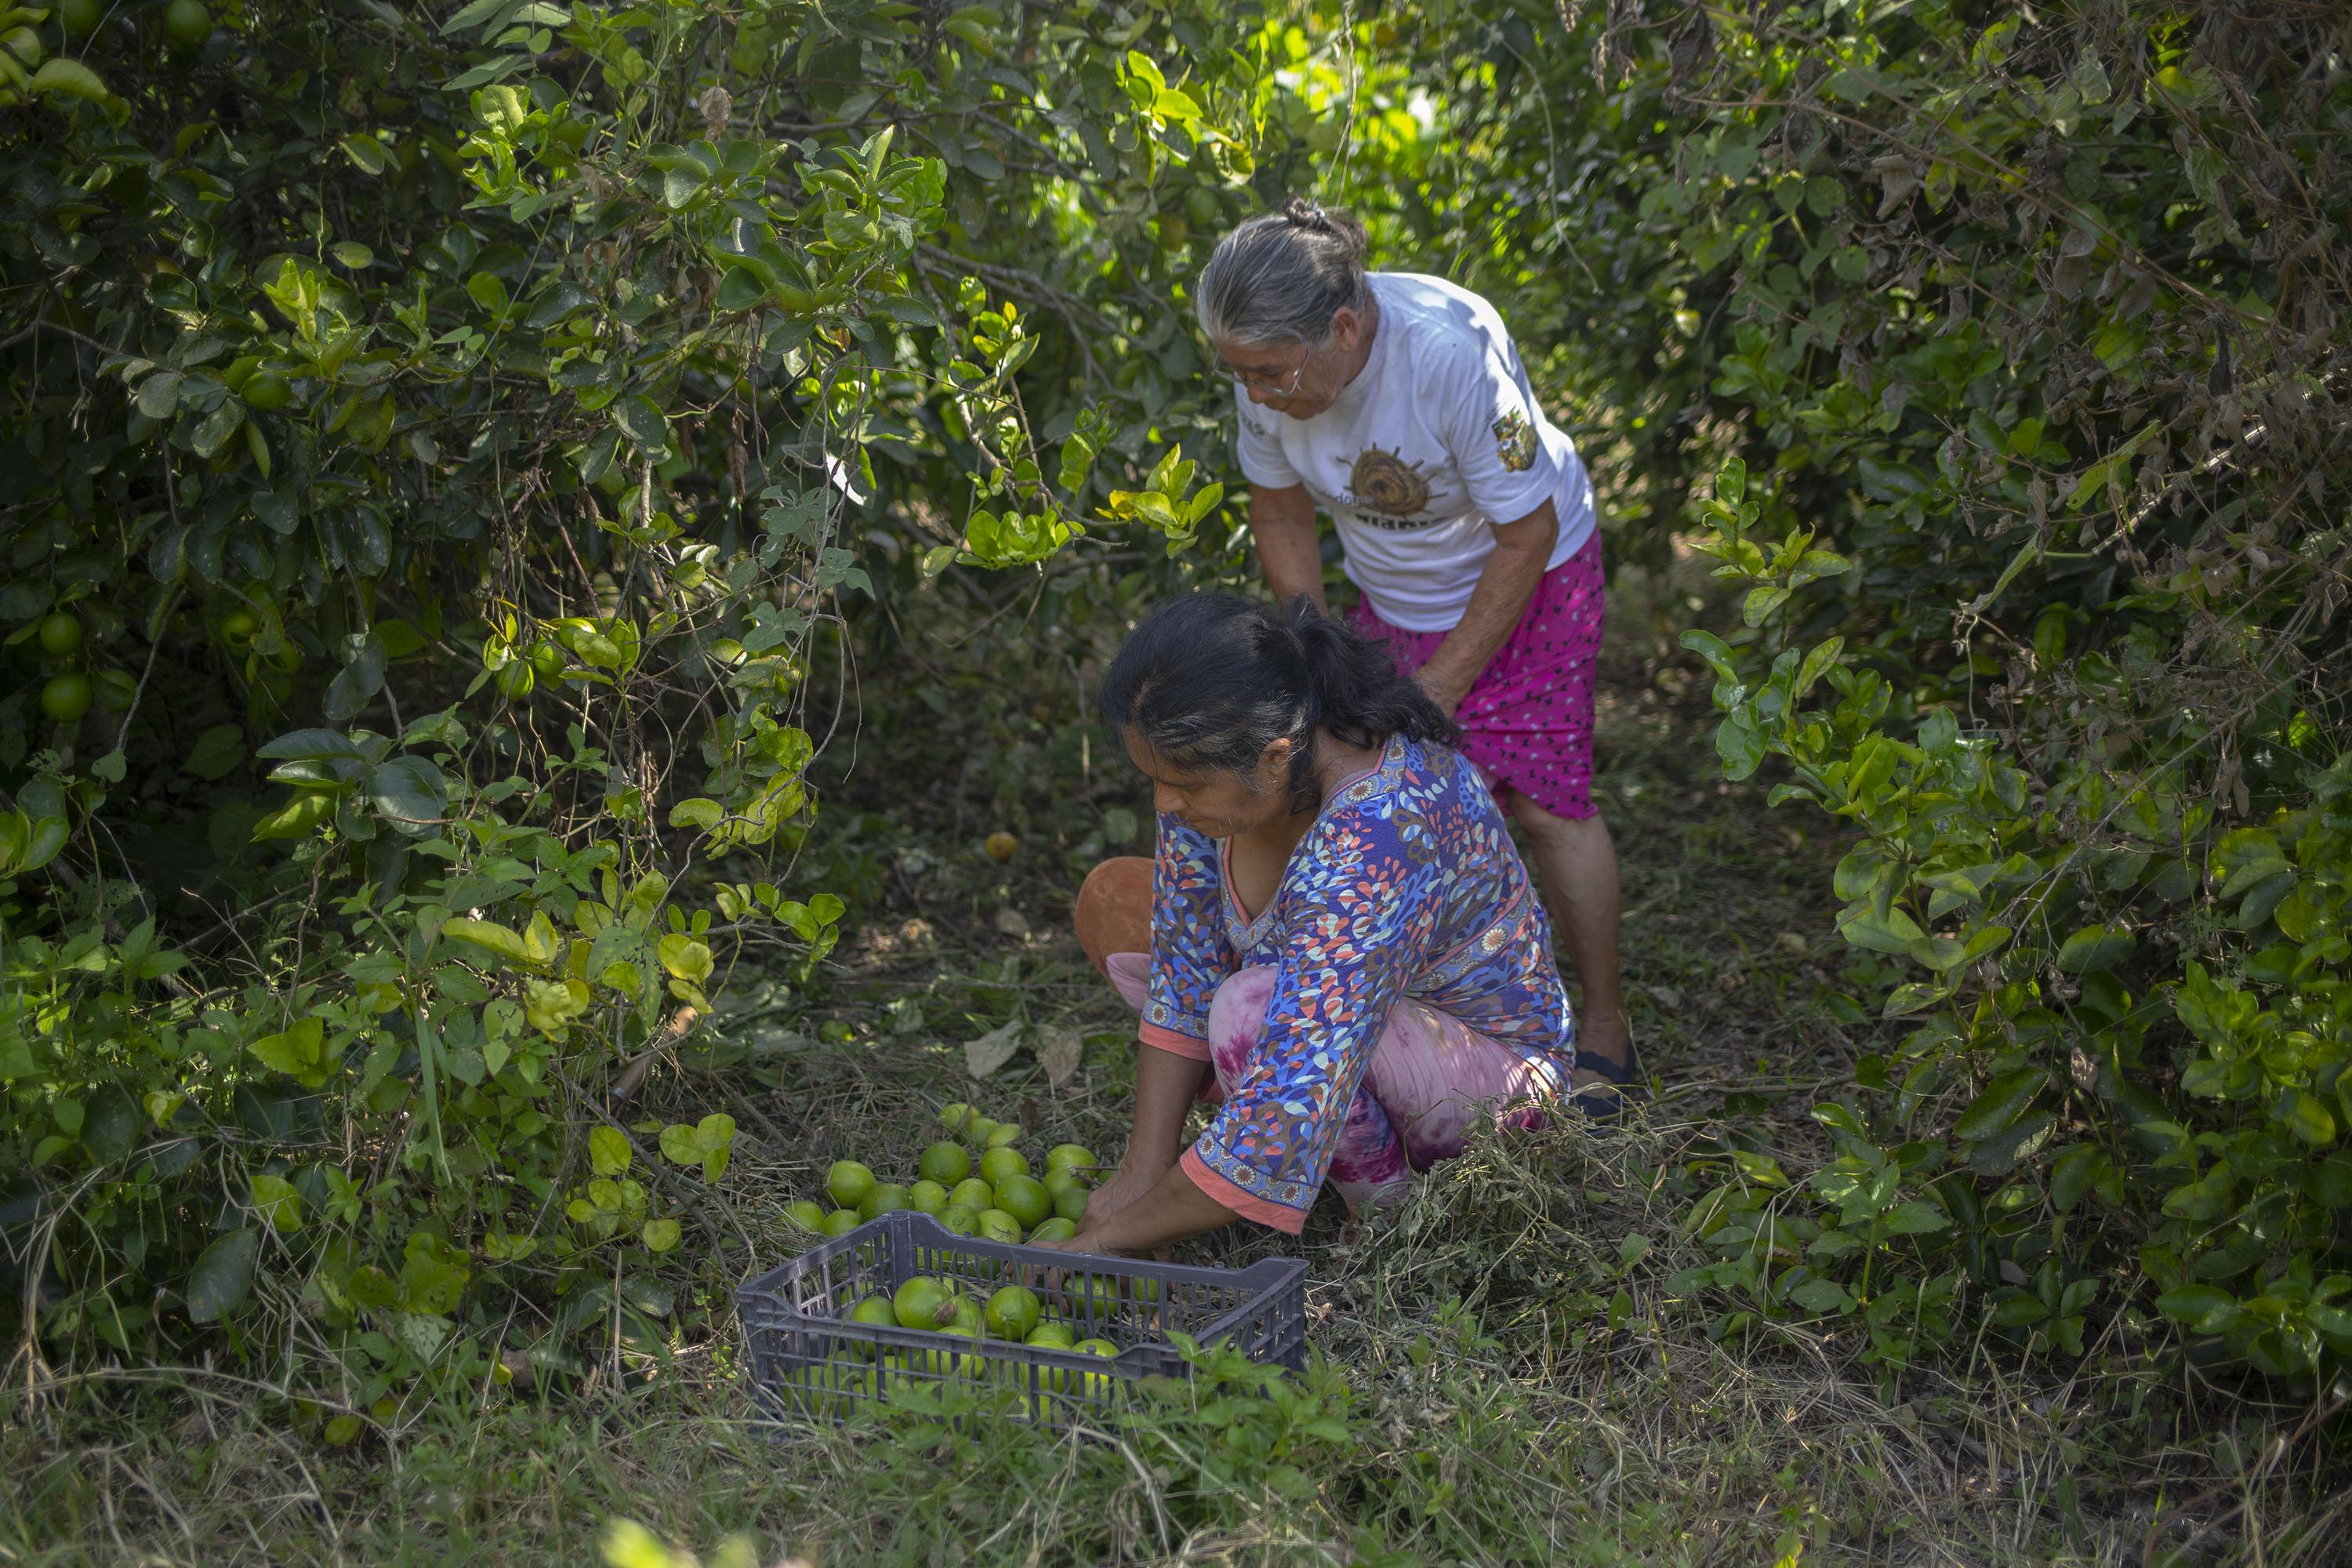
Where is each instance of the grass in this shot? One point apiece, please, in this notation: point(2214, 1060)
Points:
point(1511, 1379)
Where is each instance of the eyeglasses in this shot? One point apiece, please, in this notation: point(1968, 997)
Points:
point(1263, 381)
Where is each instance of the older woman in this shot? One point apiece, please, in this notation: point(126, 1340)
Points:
point(1336, 940)
point(1397, 404)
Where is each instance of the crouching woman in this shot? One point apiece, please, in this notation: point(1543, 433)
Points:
point(1336, 944)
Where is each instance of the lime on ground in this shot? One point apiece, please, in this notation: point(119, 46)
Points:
point(962, 1219)
point(884, 1199)
point(841, 1222)
point(954, 1114)
point(928, 1197)
point(805, 1213)
point(1025, 1199)
point(995, 1225)
point(1001, 1134)
point(973, 1193)
point(1070, 1156)
point(848, 1183)
point(1000, 1162)
point(946, 1162)
point(1070, 1202)
point(1059, 1228)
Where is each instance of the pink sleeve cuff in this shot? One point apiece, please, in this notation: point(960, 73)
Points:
point(1289, 1221)
point(1168, 1039)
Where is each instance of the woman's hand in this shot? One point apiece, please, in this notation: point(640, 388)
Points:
point(1129, 1182)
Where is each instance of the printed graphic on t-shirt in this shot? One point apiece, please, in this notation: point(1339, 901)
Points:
point(1514, 442)
point(1382, 485)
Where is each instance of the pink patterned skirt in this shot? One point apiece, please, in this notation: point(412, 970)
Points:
point(1528, 719)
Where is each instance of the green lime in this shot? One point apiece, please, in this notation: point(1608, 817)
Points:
point(67, 698)
point(806, 1215)
point(928, 1197)
point(515, 680)
point(995, 1225)
point(977, 1129)
point(877, 1311)
point(841, 1222)
point(80, 17)
point(1002, 1161)
point(973, 1193)
point(60, 634)
point(848, 1183)
point(1070, 1203)
point(547, 659)
point(1013, 1312)
point(886, 1198)
point(1061, 1228)
point(1051, 1337)
point(1094, 1384)
point(266, 392)
point(1001, 1134)
point(237, 626)
point(954, 1114)
point(924, 1302)
point(1070, 1156)
point(962, 1219)
point(186, 25)
point(946, 1162)
point(1060, 1179)
point(240, 371)
point(959, 1363)
point(1025, 1199)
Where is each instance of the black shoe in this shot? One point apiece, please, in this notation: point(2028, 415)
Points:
point(1597, 1106)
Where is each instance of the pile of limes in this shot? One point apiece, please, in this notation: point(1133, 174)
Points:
point(977, 1183)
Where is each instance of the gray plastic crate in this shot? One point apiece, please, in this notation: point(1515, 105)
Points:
point(806, 1355)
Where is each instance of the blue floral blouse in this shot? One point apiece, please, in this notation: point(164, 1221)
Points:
point(1406, 886)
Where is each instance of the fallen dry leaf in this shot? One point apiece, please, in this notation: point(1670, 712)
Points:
point(1059, 1055)
point(983, 1056)
point(1011, 922)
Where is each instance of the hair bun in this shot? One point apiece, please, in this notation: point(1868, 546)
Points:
point(1304, 213)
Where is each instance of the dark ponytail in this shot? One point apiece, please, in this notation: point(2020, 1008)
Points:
point(1210, 680)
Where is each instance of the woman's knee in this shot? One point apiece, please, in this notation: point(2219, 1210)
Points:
point(1113, 913)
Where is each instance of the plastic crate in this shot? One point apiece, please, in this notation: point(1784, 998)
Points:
point(808, 1357)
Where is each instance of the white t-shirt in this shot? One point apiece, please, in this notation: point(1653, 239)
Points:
point(1438, 438)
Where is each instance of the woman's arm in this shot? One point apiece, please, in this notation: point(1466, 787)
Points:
point(1505, 584)
point(1283, 522)
point(1173, 1210)
point(1165, 1083)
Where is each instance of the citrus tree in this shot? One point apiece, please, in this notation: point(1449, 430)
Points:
point(444, 450)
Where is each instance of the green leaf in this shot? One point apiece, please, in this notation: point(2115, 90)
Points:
point(2094, 948)
point(1893, 932)
point(660, 1235)
point(609, 1154)
point(646, 425)
point(408, 792)
point(2000, 1105)
point(276, 1202)
point(223, 1275)
point(2307, 1116)
point(504, 941)
point(2202, 1309)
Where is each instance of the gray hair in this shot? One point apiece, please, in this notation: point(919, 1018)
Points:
point(1281, 277)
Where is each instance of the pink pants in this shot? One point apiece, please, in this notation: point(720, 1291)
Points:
point(1429, 1075)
